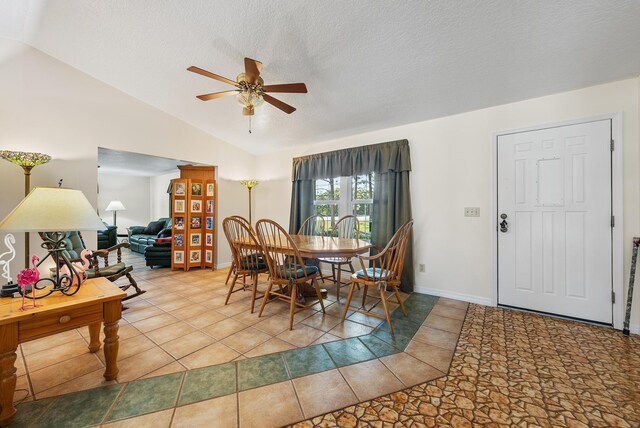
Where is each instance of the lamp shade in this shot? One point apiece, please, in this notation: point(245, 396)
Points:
point(115, 206)
point(52, 209)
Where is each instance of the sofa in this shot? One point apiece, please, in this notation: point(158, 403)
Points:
point(158, 254)
point(141, 237)
point(108, 237)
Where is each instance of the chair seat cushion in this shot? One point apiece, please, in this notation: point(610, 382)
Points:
point(380, 274)
point(299, 273)
point(250, 263)
point(106, 271)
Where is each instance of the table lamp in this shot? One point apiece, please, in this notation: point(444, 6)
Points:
point(57, 210)
point(115, 206)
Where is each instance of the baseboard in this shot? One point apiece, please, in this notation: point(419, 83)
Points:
point(633, 328)
point(453, 295)
point(223, 265)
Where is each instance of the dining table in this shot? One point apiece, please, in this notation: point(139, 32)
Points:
point(328, 246)
point(317, 247)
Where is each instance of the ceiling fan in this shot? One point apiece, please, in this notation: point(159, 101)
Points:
point(251, 92)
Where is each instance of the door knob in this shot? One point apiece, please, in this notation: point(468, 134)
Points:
point(504, 226)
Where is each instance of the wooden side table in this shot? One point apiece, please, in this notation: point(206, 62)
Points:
point(98, 301)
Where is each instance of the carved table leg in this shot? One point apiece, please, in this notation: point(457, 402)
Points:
point(94, 334)
point(112, 314)
point(8, 346)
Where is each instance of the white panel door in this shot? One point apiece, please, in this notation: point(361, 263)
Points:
point(554, 196)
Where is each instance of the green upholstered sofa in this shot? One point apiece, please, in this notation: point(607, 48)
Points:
point(139, 240)
point(108, 237)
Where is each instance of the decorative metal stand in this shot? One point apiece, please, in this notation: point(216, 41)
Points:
point(632, 277)
point(67, 283)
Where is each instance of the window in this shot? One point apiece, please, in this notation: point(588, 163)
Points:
point(337, 197)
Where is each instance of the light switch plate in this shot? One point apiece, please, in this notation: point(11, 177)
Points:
point(472, 212)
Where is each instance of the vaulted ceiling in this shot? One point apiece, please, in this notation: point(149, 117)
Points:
point(368, 64)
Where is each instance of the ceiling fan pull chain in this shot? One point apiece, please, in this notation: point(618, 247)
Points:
point(249, 124)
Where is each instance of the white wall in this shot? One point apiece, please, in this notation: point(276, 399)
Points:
point(48, 106)
point(159, 198)
point(452, 164)
point(132, 191)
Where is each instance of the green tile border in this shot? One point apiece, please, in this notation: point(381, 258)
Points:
point(208, 382)
point(308, 360)
point(348, 351)
point(179, 389)
point(261, 371)
point(147, 396)
point(77, 409)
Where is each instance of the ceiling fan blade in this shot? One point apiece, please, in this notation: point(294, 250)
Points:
point(296, 88)
point(277, 103)
point(252, 70)
point(206, 73)
point(207, 97)
point(247, 111)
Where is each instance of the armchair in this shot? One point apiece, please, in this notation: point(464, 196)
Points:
point(108, 237)
point(383, 273)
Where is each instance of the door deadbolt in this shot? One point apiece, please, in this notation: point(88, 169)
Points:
point(504, 226)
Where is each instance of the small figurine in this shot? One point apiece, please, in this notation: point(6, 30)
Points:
point(80, 267)
point(26, 278)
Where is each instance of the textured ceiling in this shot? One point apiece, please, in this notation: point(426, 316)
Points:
point(127, 163)
point(367, 64)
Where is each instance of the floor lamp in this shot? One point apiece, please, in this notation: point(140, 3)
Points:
point(115, 206)
point(249, 184)
point(27, 161)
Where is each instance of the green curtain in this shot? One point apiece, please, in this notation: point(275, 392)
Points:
point(392, 209)
point(391, 163)
point(302, 194)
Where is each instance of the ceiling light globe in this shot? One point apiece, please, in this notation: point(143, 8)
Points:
point(249, 99)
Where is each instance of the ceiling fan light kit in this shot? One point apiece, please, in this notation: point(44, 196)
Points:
point(251, 92)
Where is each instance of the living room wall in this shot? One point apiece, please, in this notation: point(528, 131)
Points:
point(159, 202)
point(135, 194)
point(452, 169)
point(47, 106)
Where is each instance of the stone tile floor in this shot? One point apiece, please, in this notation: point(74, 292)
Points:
point(516, 369)
point(223, 351)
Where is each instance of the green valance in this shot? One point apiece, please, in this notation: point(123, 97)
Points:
point(380, 158)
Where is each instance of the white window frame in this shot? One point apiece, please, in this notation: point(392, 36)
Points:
point(345, 205)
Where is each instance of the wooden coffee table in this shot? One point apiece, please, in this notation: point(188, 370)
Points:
point(98, 301)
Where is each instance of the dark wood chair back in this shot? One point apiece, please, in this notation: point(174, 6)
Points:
point(281, 253)
point(245, 248)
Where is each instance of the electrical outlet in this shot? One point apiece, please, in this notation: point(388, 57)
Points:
point(421, 267)
point(472, 212)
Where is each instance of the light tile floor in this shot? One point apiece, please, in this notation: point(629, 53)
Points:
point(181, 324)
